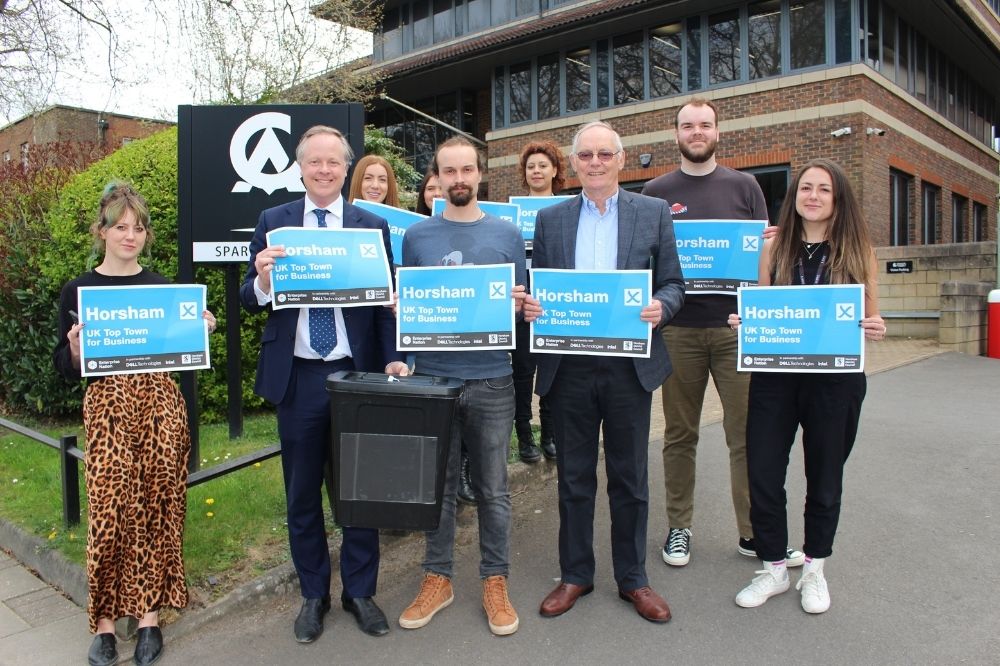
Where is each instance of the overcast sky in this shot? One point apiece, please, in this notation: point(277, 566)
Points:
point(156, 74)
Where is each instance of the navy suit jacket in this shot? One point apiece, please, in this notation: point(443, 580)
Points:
point(371, 331)
point(645, 241)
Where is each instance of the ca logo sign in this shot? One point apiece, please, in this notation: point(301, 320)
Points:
point(268, 149)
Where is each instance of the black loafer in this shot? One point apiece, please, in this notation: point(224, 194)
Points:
point(370, 617)
point(309, 623)
point(148, 646)
point(103, 651)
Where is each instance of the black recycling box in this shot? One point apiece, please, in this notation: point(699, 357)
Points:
point(391, 437)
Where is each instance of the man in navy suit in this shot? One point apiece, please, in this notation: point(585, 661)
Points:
point(299, 348)
point(605, 228)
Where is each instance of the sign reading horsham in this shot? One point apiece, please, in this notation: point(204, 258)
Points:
point(814, 328)
point(455, 308)
point(329, 268)
point(152, 328)
point(593, 313)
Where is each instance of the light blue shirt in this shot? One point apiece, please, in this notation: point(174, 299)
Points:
point(597, 236)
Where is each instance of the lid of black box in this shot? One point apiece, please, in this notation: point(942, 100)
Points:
point(352, 381)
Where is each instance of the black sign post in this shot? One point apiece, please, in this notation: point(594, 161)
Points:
point(232, 163)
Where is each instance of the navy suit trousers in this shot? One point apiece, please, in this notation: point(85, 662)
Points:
point(304, 430)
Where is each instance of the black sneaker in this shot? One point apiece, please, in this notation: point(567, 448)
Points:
point(793, 558)
point(677, 549)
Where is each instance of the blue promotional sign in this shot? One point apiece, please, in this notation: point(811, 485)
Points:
point(719, 256)
point(528, 210)
point(399, 221)
point(505, 211)
point(152, 328)
point(455, 308)
point(329, 268)
point(592, 313)
point(813, 328)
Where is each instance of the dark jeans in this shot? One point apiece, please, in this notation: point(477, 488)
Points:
point(589, 395)
point(828, 407)
point(482, 421)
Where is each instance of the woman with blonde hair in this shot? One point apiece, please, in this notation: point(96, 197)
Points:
point(137, 452)
point(822, 239)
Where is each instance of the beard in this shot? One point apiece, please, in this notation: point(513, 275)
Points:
point(699, 157)
point(460, 195)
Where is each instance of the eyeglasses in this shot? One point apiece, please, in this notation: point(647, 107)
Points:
point(603, 155)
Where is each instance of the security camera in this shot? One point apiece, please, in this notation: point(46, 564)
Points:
point(645, 159)
point(843, 131)
point(877, 131)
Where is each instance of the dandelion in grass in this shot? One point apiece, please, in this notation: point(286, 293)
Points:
point(52, 535)
point(209, 501)
point(209, 514)
point(255, 465)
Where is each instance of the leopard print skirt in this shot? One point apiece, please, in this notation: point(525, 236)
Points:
point(136, 469)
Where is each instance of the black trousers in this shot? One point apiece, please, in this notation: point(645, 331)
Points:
point(524, 364)
point(589, 395)
point(828, 407)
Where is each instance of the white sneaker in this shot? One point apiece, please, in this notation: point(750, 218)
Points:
point(770, 581)
point(815, 595)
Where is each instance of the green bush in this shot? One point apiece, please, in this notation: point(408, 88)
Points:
point(27, 299)
point(149, 165)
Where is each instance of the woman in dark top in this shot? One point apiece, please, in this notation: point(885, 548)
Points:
point(822, 239)
point(137, 452)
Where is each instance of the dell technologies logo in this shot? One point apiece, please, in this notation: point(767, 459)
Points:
point(268, 149)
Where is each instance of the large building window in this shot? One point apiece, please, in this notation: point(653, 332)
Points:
point(520, 93)
point(548, 86)
point(959, 212)
point(694, 53)
point(807, 30)
point(578, 67)
point(628, 64)
point(932, 214)
point(665, 63)
point(423, 27)
point(603, 74)
point(499, 98)
point(479, 14)
point(899, 207)
point(979, 222)
point(444, 21)
point(843, 36)
point(724, 47)
point(773, 183)
point(764, 38)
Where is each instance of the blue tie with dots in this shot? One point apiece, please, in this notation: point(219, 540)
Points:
point(322, 323)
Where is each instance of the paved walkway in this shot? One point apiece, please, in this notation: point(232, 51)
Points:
point(38, 625)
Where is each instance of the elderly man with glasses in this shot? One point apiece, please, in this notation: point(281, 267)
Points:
point(605, 228)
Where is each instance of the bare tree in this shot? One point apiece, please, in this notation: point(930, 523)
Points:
point(39, 39)
point(252, 51)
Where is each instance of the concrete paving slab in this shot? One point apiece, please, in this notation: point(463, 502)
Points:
point(16, 581)
point(10, 622)
point(55, 644)
point(42, 607)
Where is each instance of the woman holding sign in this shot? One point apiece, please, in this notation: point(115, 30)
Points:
point(374, 180)
point(137, 452)
point(543, 174)
point(822, 239)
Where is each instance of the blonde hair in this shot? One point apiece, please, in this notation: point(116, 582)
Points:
point(117, 199)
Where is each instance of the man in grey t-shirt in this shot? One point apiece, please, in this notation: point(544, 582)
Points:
point(464, 235)
point(699, 340)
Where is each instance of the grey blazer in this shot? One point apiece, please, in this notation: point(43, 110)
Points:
point(645, 240)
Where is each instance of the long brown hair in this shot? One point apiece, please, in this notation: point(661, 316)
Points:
point(850, 244)
point(551, 151)
point(391, 194)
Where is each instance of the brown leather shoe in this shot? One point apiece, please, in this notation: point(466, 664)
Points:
point(562, 598)
point(647, 603)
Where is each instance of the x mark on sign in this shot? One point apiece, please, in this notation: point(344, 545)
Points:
point(188, 310)
point(845, 311)
point(367, 250)
point(633, 297)
point(498, 289)
point(750, 243)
